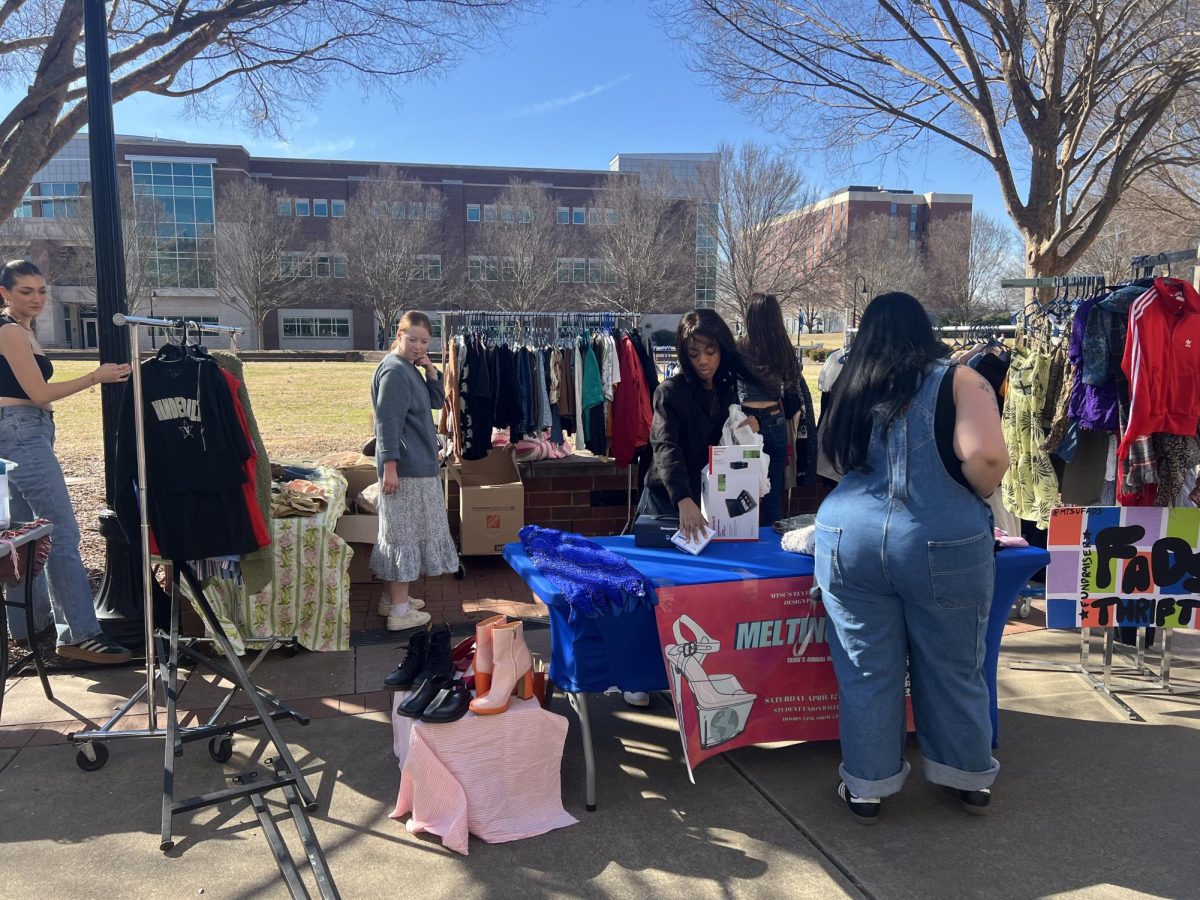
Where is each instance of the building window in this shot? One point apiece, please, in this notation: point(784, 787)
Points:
point(321, 208)
point(894, 209)
point(595, 271)
point(610, 216)
point(303, 206)
point(610, 272)
point(912, 219)
point(315, 327)
point(525, 215)
point(564, 271)
point(178, 220)
point(337, 208)
point(475, 268)
point(339, 265)
point(489, 212)
point(433, 211)
point(472, 212)
point(428, 267)
point(416, 210)
point(593, 215)
point(579, 271)
point(564, 215)
point(25, 210)
point(283, 206)
point(578, 215)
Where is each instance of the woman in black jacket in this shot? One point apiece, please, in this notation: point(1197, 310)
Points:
point(689, 410)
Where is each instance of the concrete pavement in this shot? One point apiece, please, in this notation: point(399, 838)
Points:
point(1088, 804)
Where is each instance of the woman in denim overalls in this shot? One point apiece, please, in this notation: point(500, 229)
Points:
point(905, 560)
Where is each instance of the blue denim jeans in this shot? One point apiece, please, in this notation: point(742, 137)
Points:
point(37, 488)
point(773, 428)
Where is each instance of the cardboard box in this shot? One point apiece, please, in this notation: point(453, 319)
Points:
point(356, 529)
point(360, 565)
point(729, 493)
point(491, 503)
point(358, 478)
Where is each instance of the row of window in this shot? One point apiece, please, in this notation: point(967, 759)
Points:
point(312, 265)
point(303, 206)
point(413, 210)
point(53, 200)
point(502, 212)
point(496, 268)
point(586, 215)
point(586, 271)
point(316, 327)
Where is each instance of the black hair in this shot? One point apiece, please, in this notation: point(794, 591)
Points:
point(766, 342)
point(894, 348)
point(707, 325)
point(14, 269)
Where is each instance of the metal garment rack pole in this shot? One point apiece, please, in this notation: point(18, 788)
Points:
point(163, 662)
point(1143, 266)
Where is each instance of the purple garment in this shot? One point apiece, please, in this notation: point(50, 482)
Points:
point(1093, 407)
point(595, 581)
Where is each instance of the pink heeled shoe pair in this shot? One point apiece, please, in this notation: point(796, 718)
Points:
point(529, 450)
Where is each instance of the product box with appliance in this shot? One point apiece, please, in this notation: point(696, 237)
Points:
point(729, 491)
point(491, 503)
point(654, 531)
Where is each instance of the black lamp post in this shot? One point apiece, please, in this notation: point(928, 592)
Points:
point(119, 603)
point(865, 292)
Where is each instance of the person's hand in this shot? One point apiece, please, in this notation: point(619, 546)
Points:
point(691, 521)
point(391, 481)
point(427, 364)
point(753, 423)
point(111, 373)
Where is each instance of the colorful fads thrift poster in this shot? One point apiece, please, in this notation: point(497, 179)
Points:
point(1123, 565)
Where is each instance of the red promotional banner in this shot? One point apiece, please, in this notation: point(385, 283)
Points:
point(748, 663)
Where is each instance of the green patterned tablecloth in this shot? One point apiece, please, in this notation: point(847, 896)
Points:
point(309, 599)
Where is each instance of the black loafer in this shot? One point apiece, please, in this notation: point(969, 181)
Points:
point(426, 688)
point(977, 803)
point(865, 811)
point(449, 705)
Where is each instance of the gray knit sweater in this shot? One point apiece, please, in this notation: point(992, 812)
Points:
point(402, 399)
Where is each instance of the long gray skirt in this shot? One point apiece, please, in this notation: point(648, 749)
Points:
point(414, 538)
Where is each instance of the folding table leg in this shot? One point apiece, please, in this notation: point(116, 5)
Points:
point(579, 702)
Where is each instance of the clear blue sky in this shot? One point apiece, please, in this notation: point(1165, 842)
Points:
point(572, 87)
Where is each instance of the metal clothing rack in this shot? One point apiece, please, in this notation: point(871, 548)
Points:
point(545, 327)
point(165, 650)
point(1144, 266)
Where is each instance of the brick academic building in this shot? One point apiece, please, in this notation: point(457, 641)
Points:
point(189, 180)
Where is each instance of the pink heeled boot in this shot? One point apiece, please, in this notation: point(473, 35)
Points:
point(483, 653)
point(512, 670)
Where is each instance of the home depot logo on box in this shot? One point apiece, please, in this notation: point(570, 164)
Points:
point(493, 522)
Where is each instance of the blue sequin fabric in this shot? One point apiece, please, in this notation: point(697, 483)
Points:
point(595, 581)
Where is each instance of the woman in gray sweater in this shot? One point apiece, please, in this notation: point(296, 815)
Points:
point(414, 538)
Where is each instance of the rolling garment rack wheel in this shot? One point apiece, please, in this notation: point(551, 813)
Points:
point(1024, 609)
point(91, 756)
point(220, 748)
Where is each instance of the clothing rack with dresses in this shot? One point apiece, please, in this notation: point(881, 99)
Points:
point(1093, 321)
point(164, 652)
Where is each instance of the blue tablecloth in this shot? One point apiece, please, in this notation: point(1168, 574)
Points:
point(591, 655)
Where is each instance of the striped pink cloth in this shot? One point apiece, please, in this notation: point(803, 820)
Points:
point(496, 777)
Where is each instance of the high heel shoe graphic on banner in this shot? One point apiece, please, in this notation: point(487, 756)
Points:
point(722, 705)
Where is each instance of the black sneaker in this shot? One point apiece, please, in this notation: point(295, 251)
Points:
point(976, 803)
point(864, 809)
point(99, 649)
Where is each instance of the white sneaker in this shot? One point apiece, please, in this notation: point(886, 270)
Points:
point(384, 608)
point(414, 618)
point(636, 698)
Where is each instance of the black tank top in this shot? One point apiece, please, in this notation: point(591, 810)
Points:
point(9, 386)
point(943, 429)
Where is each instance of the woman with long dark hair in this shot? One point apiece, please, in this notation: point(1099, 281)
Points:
point(689, 410)
point(770, 388)
point(904, 557)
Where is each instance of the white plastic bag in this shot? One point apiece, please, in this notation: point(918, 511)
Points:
point(737, 432)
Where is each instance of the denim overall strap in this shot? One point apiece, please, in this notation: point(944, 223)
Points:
point(897, 445)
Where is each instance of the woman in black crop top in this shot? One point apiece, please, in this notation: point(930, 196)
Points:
point(36, 483)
